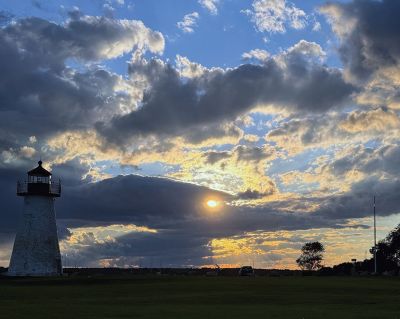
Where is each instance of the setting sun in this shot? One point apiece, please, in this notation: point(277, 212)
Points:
point(212, 203)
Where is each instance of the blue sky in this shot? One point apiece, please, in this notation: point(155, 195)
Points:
point(218, 40)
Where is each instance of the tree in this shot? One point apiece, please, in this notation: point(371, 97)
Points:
point(388, 251)
point(311, 256)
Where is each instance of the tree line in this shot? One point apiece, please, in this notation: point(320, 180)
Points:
point(387, 257)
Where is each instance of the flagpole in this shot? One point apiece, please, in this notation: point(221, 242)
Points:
point(375, 248)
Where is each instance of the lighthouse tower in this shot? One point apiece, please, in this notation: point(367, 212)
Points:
point(36, 251)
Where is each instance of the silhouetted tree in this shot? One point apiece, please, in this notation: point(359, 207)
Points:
point(388, 251)
point(311, 256)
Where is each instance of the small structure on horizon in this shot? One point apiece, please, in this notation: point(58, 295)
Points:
point(36, 251)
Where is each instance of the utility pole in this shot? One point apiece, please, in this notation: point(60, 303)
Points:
point(375, 248)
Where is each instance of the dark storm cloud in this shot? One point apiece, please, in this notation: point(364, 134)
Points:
point(309, 131)
point(5, 17)
point(357, 202)
point(150, 201)
point(213, 157)
point(165, 204)
point(179, 202)
point(381, 167)
point(242, 153)
point(41, 95)
point(187, 241)
point(42, 103)
point(176, 211)
point(251, 154)
point(369, 32)
point(70, 173)
point(12, 205)
point(165, 248)
point(254, 194)
point(84, 37)
point(383, 160)
point(10, 173)
point(172, 106)
point(200, 133)
point(37, 85)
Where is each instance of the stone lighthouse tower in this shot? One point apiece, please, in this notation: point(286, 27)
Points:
point(36, 251)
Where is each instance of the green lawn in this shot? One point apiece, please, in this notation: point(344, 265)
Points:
point(200, 297)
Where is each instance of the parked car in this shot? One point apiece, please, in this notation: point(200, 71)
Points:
point(246, 271)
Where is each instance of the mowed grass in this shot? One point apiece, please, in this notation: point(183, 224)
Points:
point(200, 297)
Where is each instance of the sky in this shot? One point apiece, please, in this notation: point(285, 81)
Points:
point(284, 114)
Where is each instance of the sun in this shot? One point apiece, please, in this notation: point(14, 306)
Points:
point(212, 203)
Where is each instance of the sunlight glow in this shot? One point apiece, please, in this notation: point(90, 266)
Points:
point(212, 203)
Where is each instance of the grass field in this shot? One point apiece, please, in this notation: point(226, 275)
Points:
point(200, 297)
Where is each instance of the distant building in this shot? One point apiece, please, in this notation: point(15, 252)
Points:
point(36, 251)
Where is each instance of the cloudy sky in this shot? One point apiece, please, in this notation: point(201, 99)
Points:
point(284, 113)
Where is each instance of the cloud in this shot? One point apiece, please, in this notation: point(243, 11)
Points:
point(135, 202)
point(213, 157)
point(189, 22)
point(274, 16)
point(350, 179)
point(257, 54)
point(150, 250)
point(183, 226)
point(298, 134)
point(242, 153)
point(381, 161)
point(307, 49)
point(369, 35)
point(130, 199)
point(316, 26)
point(357, 202)
point(210, 5)
point(376, 121)
point(38, 85)
point(187, 68)
point(175, 114)
point(172, 106)
point(5, 17)
point(335, 129)
point(88, 38)
point(156, 101)
point(253, 194)
point(176, 228)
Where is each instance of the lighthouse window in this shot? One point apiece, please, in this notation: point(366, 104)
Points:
point(39, 179)
point(42, 179)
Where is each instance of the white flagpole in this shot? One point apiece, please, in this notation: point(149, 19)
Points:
point(375, 248)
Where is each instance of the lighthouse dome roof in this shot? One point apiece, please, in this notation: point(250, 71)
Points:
point(39, 171)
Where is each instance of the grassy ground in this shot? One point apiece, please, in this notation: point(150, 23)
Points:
point(200, 297)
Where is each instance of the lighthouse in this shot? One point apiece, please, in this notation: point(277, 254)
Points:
point(36, 251)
